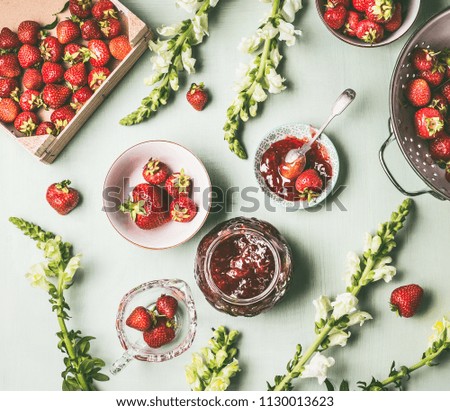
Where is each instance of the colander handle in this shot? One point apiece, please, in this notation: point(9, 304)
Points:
point(391, 177)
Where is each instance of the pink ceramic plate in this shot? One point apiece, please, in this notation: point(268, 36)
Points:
point(126, 173)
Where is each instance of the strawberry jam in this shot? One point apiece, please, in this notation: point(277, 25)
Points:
point(317, 158)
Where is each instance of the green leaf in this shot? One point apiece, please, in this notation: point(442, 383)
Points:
point(51, 25)
point(100, 377)
point(344, 386)
point(65, 7)
point(329, 385)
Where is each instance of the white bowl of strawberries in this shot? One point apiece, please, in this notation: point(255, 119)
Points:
point(157, 194)
point(368, 23)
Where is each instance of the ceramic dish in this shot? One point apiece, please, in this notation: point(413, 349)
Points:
point(300, 131)
point(126, 173)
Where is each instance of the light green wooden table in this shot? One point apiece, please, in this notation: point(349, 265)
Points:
point(319, 67)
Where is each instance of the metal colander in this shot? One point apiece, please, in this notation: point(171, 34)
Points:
point(435, 34)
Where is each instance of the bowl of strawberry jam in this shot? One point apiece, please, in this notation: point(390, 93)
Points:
point(270, 167)
point(243, 266)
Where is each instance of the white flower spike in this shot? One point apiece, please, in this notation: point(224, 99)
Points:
point(318, 367)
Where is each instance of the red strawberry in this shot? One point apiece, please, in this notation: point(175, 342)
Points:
point(7, 86)
point(360, 5)
point(74, 53)
point(26, 123)
point(155, 172)
point(97, 76)
point(406, 300)
point(46, 128)
point(32, 79)
point(167, 306)
point(90, 30)
point(120, 47)
point(183, 210)
point(369, 31)
point(51, 49)
point(179, 184)
point(104, 9)
point(345, 3)
point(9, 110)
point(380, 11)
point(62, 116)
point(423, 59)
point(29, 56)
point(76, 76)
point(395, 23)
point(80, 8)
point(428, 122)
point(62, 198)
point(9, 66)
point(335, 17)
point(80, 97)
point(351, 25)
point(100, 54)
point(30, 100)
point(197, 96)
point(418, 92)
point(8, 40)
point(309, 185)
point(54, 95)
point(28, 32)
point(52, 73)
point(110, 28)
point(440, 148)
point(435, 76)
point(140, 319)
point(446, 92)
point(159, 336)
point(292, 170)
point(67, 31)
point(439, 102)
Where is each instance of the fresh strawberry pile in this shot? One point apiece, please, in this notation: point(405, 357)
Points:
point(368, 20)
point(157, 324)
point(164, 197)
point(58, 73)
point(429, 93)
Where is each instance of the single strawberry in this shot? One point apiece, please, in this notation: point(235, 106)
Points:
point(9, 41)
point(8, 86)
point(75, 53)
point(141, 319)
point(418, 92)
point(62, 116)
point(110, 28)
point(46, 128)
point(52, 73)
point(104, 9)
point(55, 95)
point(335, 17)
point(155, 172)
point(395, 23)
point(62, 198)
point(76, 76)
point(439, 102)
point(100, 54)
point(406, 300)
point(90, 30)
point(423, 59)
point(428, 122)
point(120, 47)
point(26, 123)
point(446, 92)
point(9, 110)
point(183, 210)
point(80, 97)
point(9, 66)
point(29, 56)
point(80, 8)
point(28, 32)
point(440, 148)
point(167, 306)
point(360, 5)
point(97, 77)
point(292, 170)
point(30, 100)
point(351, 24)
point(435, 76)
point(197, 96)
point(51, 49)
point(179, 184)
point(160, 335)
point(309, 185)
point(32, 79)
point(380, 11)
point(345, 3)
point(67, 31)
point(369, 31)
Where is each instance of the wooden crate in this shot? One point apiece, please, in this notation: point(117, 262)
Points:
point(47, 148)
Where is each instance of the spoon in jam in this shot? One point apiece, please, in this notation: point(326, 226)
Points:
point(295, 160)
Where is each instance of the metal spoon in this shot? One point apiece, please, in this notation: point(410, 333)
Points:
point(339, 106)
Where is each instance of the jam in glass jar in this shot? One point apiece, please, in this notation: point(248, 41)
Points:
point(243, 266)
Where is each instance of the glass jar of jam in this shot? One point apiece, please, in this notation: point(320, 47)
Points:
point(243, 266)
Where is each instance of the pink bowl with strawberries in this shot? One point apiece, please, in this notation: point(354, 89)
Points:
point(368, 23)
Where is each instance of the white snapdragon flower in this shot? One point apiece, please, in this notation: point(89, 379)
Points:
point(353, 266)
point(159, 46)
point(318, 367)
point(338, 337)
point(358, 317)
point(259, 95)
point(323, 307)
point(275, 57)
point(243, 81)
point(385, 273)
point(441, 332)
point(37, 276)
point(268, 31)
point(344, 304)
point(187, 60)
point(290, 8)
point(275, 82)
point(288, 33)
point(250, 44)
point(200, 27)
point(161, 62)
point(72, 266)
point(168, 31)
point(191, 6)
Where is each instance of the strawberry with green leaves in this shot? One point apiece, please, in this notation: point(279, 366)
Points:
point(104, 9)
point(369, 31)
point(141, 319)
point(46, 128)
point(26, 123)
point(162, 334)
point(80, 8)
point(90, 30)
point(380, 11)
point(424, 59)
point(335, 16)
point(351, 24)
point(76, 76)
point(179, 184)
point(8, 86)
point(197, 96)
point(435, 76)
point(429, 122)
point(167, 306)
point(62, 198)
point(30, 100)
point(9, 41)
point(55, 95)
point(110, 28)
point(75, 53)
point(100, 54)
point(80, 97)
point(155, 172)
point(309, 185)
point(406, 300)
point(97, 77)
point(397, 19)
point(183, 210)
point(51, 49)
point(67, 31)
point(62, 116)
